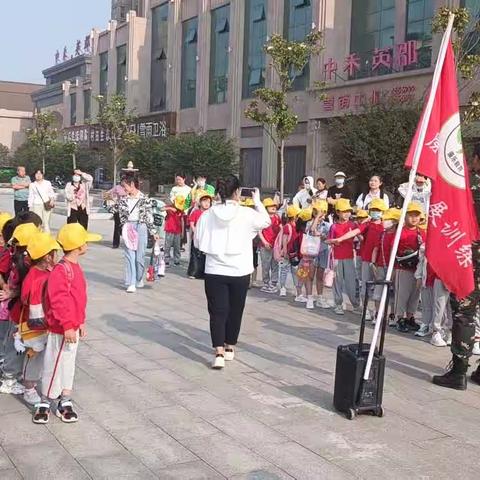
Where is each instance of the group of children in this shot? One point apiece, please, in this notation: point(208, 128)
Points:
point(347, 250)
point(42, 313)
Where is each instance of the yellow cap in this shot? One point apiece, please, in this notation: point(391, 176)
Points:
point(320, 205)
point(203, 194)
point(292, 211)
point(41, 244)
point(392, 214)
point(415, 207)
point(248, 202)
point(343, 205)
point(73, 235)
point(305, 214)
point(23, 233)
point(180, 202)
point(378, 204)
point(268, 202)
point(361, 213)
point(4, 218)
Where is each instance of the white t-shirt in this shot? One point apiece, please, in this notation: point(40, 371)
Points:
point(133, 203)
point(40, 192)
point(179, 191)
point(363, 201)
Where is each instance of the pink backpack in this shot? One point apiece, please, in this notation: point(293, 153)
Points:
point(278, 245)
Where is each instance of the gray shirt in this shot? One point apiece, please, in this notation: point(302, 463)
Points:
point(21, 194)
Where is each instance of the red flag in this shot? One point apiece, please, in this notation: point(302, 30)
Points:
point(452, 225)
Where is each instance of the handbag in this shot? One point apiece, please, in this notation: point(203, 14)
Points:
point(329, 273)
point(310, 245)
point(151, 269)
point(46, 205)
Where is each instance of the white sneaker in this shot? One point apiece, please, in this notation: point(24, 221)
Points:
point(322, 303)
point(310, 303)
point(131, 289)
point(12, 386)
point(229, 355)
point(301, 299)
point(140, 284)
point(358, 310)
point(283, 292)
point(368, 315)
point(447, 336)
point(339, 310)
point(219, 362)
point(31, 396)
point(266, 289)
point(437, 340)
point(476, 348)
point(423, 331)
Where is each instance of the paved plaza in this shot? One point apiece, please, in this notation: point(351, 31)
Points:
point(150, 406)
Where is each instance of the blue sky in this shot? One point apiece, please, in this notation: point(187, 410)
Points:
point(32, 31)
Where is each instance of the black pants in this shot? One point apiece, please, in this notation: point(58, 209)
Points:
point(226, 300)
point(79, 216)
point(20, 206)
point(116, 230)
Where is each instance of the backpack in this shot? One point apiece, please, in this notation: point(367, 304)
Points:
point(364, 196)
point(69, 272)
point(278, 245)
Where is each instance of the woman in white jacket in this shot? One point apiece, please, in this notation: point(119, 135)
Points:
point(225, 233)
point(77, 195)
point(41, 199)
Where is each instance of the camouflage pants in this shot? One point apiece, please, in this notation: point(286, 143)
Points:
point(465, 313)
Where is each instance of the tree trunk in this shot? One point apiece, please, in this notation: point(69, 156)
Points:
point(282, 170)
point(43, 161)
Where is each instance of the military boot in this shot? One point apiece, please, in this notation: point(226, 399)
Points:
point(476, 375)
point(456, 375)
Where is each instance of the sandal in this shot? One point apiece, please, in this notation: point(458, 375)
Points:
point(65, 412)
point(42, 413)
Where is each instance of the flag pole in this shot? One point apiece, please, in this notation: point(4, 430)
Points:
point(408, 197)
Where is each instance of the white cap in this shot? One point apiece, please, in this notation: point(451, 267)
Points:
point(340, 174)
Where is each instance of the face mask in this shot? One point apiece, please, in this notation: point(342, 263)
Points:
point(376, 215)
point(201, 183)
point(388, 224)
point(76, 178)
point(339, 182)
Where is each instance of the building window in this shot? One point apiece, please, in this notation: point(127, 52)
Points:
point(472, 37)
point(73, 109)
point(297, 25)
point(158, 79)
point(121, 69)
point(189, 63)
point(253, 53)
point(219, 54)
point(103, 73)
point(87, 100)
point(373, 27)
point(419, 28)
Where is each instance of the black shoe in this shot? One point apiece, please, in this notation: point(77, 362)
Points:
point(115, 246)
point(402, 325)
point(455, 377)
point(476, 375)
point(412, 324)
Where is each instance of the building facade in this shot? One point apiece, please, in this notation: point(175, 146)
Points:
point(193, 66)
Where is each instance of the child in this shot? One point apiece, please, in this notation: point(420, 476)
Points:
point(286, 264)
point(5, 266)
point(345, 276)
point(174, 230)
point(10, 298)
point(303, 269)
point(65, 304)
point(196, 267)
point(407, 293)
point(267, 238)
point(370, 231)
point(318, 227)
point(33, 328)
point(361, 216)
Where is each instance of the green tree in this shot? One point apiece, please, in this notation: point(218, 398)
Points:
point(271, 107)
point(4, 154)
point(114, 117)
point(375, 141)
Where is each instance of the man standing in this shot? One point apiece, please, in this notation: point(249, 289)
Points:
point(337, 191)
point(466, 311)
point(20, 184)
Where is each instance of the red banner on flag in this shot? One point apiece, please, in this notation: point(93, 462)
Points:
point(452, 225)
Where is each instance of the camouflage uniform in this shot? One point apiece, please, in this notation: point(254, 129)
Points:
point(467, 311)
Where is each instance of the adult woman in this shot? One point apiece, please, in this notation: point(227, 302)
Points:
point(303, 198)
point(225, 233)
point(41, 199)
point(375, 190)
point(135, 210)
point(77, 195)
point(322, 190)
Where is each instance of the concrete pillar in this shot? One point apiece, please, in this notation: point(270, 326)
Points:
point(112, 58)
point(95, 73)
point(80, 104)
point(203, 63)
point(66, 102)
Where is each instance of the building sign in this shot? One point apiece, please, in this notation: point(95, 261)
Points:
point(394, 58)
point(151, 126)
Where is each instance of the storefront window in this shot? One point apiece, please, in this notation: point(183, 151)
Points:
point(189, 63)
point(255, 38)
point(419, 29)
point(219, 54)
point(158, 81)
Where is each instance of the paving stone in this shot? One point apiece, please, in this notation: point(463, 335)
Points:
point(189, 471)
point(18, 429)
point(5, 462)
point(10, 474)
point(269, 473)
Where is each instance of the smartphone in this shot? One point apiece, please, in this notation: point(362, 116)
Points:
point(246, 192)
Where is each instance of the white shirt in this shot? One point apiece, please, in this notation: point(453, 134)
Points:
point(225, 233)
point(421, 196)
point(364, 201)
point(40, 192)
point(133, 203)
point(303, 198)
point(179, 191)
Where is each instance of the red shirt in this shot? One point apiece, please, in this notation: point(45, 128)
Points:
point(32, 292)
point(5, 262)
point(66, 298)
point(371, 236)
point(195, 216)
point(290, 230)
point(173, 222)
point(384, 245)
point(270, 233)
point(410, 241)
point(343, 251)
